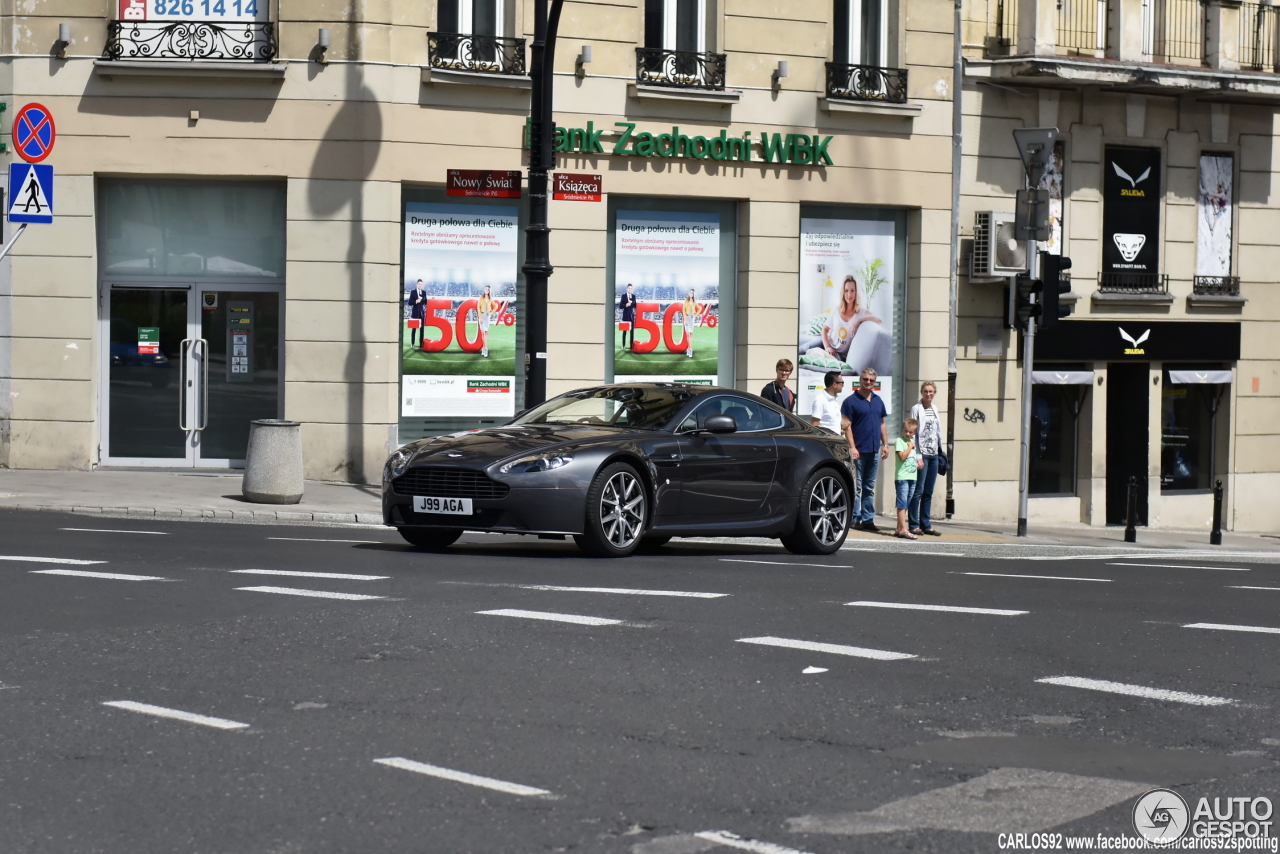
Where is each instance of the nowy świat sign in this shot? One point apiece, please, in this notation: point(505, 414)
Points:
point(795, 148)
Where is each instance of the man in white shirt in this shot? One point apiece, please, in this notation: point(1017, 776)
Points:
point(826, 405)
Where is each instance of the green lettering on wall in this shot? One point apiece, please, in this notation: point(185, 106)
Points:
point(775, 148)
point(620, 147)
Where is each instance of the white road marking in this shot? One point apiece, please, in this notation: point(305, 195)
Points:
point(1048, 577)
point(1229, 628)
point(1242, 587)
point(320, 540)
point(110, 576)
point(999, 612)
point(811, 670)
point(789, 563)
point(1168, 554)
point(463, 777)
point(733, 840)
point(62, 560)
point(318, 594)
point(175, 714)
point(624, 590)
point(1136, 691)
point(548, 615)
point(837, 649)
point(115, 531)
point(304, 574)
point(1183, 566)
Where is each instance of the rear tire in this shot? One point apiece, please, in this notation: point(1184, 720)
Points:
point(616, 513)
point(434, 539)
point(822, 519)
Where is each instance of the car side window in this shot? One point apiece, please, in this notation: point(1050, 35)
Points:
point(750, 416)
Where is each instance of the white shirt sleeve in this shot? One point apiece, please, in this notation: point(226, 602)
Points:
point(819, 406)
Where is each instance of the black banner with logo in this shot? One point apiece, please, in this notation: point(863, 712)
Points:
point(1138, 341)
point(1131, 211)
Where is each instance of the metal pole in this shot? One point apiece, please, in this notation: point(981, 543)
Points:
point(957, 125)
point(537, 262)
point(13, 240)
point(1215, 536)
point(1131, 512)
point(1028, 360)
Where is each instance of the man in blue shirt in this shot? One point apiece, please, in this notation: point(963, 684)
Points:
point(862, 422)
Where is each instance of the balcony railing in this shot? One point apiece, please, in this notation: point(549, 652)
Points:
point(477, 53)
point(681, 69)
point(1258, 36)
point(866, 83)
point(1133, 283)
point(1173, 30)
point(1217, 286)
point(248, 41)
point(1082, 26)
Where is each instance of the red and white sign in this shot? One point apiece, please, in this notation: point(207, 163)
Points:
point(574, 187)
point(133, 10)
point(482, 183)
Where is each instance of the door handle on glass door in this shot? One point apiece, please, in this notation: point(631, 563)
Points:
point(183, 383)
point(204, 382)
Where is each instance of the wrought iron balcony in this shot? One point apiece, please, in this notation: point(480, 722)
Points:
point(1133, 283)
point(681, 69)
point(247, 41)
point(476, 53)
point(1216, 286)
point(866, 83)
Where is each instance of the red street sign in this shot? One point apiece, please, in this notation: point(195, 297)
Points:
point(478, 182)
point(573, 187)
point(33, 133)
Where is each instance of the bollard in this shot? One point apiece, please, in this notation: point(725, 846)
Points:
point(1215, 536)
point(1131, 512)
point(273, 466)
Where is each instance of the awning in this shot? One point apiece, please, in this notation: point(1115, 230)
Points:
point(1062, 377)
point(1197, 377)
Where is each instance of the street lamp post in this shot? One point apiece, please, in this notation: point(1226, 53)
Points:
point(537, 260)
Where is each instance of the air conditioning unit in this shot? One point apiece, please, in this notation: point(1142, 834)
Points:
point(997, 253)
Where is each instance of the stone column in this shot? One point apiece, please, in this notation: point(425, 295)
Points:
point(1124, 30)
point(1037, 28)
point(1222, 35)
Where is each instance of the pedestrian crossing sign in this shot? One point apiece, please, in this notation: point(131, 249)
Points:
point(31, 193)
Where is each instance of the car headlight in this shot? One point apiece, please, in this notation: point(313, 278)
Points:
point(396, 463)
point(538, 462)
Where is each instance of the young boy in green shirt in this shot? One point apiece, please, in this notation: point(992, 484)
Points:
point(905, 475)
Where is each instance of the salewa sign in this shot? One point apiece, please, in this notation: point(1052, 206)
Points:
point(793, 148)
point(1135, 344)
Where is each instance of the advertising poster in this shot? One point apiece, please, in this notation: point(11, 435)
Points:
point(846, 304)
point(1131, 211)
point(459, 310)
point(666, 300)
point(1213, 233)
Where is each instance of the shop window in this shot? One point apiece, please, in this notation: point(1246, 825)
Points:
point(1189, 412)
point(862, 32)
point(1055, 438)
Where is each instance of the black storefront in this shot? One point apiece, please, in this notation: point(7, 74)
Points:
point(1196, 357)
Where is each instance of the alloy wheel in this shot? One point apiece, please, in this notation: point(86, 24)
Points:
point(828, 510)
point(622, 509)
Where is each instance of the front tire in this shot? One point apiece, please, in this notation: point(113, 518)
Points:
point(617, 510)
point(822, 519)
point(433, 539)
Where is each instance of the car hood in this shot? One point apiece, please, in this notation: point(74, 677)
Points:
point(487, 446)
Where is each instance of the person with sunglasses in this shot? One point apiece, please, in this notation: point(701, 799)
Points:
point(826, 404)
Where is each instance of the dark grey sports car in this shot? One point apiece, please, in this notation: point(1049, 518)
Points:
point(620, 467)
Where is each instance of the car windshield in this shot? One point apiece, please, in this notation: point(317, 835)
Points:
point(625, 406)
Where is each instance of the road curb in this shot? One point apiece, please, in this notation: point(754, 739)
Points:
point(279, 516)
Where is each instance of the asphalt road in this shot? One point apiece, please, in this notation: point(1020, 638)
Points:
point(164, 687)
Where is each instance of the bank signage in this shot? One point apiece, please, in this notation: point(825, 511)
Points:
point(480, 183)
point(794, 148)
point(576, 187)
point(1131, 211)
point(1139, 341)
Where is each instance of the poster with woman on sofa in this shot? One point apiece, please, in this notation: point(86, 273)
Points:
point(846, 304)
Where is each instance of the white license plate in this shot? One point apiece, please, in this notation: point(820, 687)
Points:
point(451, 506)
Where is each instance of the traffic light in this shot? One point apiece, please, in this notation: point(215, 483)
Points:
point(1024, 306)
point(1051, 267)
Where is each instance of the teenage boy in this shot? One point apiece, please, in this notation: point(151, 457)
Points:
point(862, 422)
point(777, 391)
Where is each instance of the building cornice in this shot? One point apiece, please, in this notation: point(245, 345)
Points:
point(1152, 78)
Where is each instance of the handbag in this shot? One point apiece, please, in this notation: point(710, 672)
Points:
point(944, 465)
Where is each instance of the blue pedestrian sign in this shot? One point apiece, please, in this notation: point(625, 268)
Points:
point(31, 193)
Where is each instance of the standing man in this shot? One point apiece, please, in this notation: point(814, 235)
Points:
point(826, 405)
point(777, 391)
point(417, 302)
point(862, 422)
point(627, 305)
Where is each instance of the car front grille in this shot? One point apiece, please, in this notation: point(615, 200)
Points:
point(445, 482)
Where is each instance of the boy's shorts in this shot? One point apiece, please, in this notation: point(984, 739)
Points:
point(905, 490)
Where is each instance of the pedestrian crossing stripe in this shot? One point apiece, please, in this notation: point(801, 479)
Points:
point(31, 193)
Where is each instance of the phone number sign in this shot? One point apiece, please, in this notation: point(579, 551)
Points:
point(197, 10)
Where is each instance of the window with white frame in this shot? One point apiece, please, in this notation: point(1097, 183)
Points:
point(476, 17)
point(862, 32)
point(676, 25)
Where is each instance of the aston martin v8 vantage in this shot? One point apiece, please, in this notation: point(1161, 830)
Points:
point(627, 466)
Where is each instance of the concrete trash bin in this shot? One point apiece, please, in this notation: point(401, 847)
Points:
point(273, 468)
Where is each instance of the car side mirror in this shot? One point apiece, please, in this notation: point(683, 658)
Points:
point(720, 424)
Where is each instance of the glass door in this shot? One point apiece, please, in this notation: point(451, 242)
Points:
point(188, 367)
